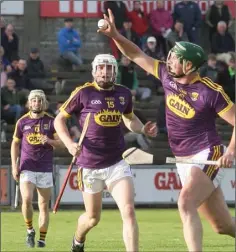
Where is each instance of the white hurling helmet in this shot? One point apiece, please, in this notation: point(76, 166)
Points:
point(37, 93)
point(105, 59)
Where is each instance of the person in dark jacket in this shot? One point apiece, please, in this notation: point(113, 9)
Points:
point(216, 13)
point(120, 13)
point(222, 40)
point(209, 69)
point(36, 73)
point(35, 65)
point(11, 100)
point(10, 42)
point(129, 33)
point(20, 76)
point(190, 13)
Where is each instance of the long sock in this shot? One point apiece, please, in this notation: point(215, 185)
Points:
point(29, 225)
point(43, 234)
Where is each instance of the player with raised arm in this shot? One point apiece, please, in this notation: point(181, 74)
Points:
point(192, 105)
point(35, 134)
point(100, 161)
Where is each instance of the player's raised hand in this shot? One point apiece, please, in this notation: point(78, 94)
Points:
point(74, 149)
point(226, 161)
point(150, 129)
point(111, 30)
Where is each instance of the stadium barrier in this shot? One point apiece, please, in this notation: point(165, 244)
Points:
point(154, 184)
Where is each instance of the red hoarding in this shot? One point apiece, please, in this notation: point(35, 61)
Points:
point(86, 8)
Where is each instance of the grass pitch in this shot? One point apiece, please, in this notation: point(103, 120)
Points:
point(160, 230)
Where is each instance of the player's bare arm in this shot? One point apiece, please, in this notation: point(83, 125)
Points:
point(15, 152)
point(55, 143)
point(62, 131)
point(135, 125)
point(128, 48)
point(227, 159)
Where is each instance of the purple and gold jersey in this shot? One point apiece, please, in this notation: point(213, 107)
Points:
point(103, 144)
point(34, 155)
point(191, 111)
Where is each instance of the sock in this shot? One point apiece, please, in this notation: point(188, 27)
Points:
point(43, 234)
point(76, 240)
point(29, 225)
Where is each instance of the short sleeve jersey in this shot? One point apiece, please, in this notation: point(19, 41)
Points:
point(35, 156)
point(191, 111)
point(103, 144)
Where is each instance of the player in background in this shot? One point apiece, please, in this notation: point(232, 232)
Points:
point(36, 136)
point(192, 105)
point(100, 161)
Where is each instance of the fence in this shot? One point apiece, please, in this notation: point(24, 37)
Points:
point(154, 184)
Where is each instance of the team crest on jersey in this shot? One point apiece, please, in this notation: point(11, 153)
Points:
point(108, 118)
point(27, 127)
point(180, 107)
point(194, 96)
point(122, 100)
point(173, 85)
point(46, 126)
point(34, 138)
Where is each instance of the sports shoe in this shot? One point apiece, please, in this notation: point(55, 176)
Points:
point(76, 247)
point(30, 239)
point(41, 244)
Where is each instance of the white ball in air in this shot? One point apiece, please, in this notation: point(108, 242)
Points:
point(102, 24)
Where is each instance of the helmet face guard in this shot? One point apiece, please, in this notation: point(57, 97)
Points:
point(39, 97)
point(187, 52)
point(104, 70)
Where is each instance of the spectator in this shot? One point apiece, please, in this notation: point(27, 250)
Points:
point(161, 22)
point(177, 34)
point(232, 66)
point(10, 42)
point(190, 13)
point(11, 100)
point(139, 22)
point(216, 13)
point(222, 42)
point(3, 59)
point(119, 11)
point(127, 76)
point(70, 43)
point(129, 33)
point(36, 72)
point(3, 76)
point(155, 51)
point(2, 25)
point(209, 70)
point(224, 79)
point(20, 75)
point(14, 63)
point(3, 131)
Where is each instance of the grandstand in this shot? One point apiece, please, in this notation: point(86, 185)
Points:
point(159, 146)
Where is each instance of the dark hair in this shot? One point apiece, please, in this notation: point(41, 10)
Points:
point(68, 20)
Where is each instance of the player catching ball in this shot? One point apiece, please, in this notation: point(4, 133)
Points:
point(35, 134)
point(192, 105)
